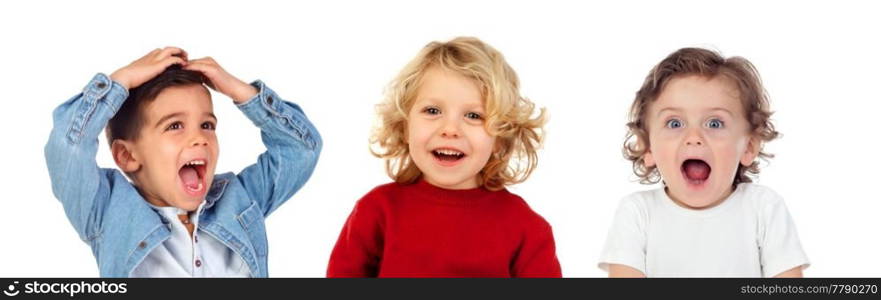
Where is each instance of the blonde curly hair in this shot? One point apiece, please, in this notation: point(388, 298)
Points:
point(703, 62)
point(509, 116)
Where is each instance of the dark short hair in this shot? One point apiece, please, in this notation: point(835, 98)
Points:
point(127, 122)
point(702, 62)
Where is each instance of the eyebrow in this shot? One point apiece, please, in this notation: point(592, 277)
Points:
point(471, 104)
point(676, 110)
point(178, 114)
point(673, 109)
point(722, 110)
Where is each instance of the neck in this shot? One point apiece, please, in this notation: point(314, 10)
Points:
point(152, 198)
point(713, 203)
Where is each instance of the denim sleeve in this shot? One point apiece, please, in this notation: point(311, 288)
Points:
point(82, 188)
point(292, 148)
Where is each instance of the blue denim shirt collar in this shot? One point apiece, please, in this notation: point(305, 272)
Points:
point(215, 192)
point(118, 224)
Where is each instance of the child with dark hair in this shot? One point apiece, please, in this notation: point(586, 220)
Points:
point(175, 217)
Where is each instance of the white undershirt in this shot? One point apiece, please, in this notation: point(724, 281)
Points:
point(750, 234)
point(183, 256)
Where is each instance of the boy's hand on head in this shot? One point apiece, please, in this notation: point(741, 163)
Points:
point(147, 67)
point(221, 81)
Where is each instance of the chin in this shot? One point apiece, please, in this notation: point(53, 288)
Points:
point(188, 204)
point(709, 196)
point(449, 183)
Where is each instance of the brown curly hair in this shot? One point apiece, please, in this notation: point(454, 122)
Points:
point(707, 63)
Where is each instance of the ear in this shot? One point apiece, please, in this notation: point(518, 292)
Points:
point(124, 156)
point(647, 159)
point(751, 152)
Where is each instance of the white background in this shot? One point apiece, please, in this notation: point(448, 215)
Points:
point(584, 62)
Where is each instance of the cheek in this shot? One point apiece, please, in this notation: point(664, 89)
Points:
point(418, 133)
point(154, 159)
point(166, 157)
point(214, 145)
point(722, 136)
point(663, 147)
point(481, 142)
point(733, 150)
point(162, 153)
point(168, 145)
point(727, 141)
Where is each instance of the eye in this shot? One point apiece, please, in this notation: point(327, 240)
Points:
point(715, 124)
point(431, 110)
point(209, 126)
point(175, 126)
point(674, 123)
point(474, 116)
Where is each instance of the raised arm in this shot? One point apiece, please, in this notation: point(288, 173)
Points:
point(82, 187)
point(292, 142)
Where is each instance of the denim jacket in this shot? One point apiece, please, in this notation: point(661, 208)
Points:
point(119, 225)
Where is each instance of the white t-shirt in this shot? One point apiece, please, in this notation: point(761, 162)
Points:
point(750, 234)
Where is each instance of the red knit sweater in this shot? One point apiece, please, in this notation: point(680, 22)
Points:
point(420, 230)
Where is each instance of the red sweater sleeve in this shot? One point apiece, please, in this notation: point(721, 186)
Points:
point(359, 248)
point(537, 255)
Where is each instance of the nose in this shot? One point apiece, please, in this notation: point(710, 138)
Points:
point(694, 138)
point(199, 138)
point(450, 128)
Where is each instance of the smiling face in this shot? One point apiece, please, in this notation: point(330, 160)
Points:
point(698, 135)
point(445, 130)
point(174, 156)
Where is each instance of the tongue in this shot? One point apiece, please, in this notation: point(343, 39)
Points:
point(448, 157)
point(189, 176)
point(696, 170)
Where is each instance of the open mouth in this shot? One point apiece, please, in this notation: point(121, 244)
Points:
point(192, 176)
point(696, 171)
point(448, 156)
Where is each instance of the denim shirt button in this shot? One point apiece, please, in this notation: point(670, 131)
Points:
point(101, 85)
point(269, 100)
point(142, 245)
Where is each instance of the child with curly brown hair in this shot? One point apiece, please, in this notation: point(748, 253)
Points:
point(698, 124)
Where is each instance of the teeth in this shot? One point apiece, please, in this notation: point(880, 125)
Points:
point(198, 188)
point(447, 152)
point(197, 162)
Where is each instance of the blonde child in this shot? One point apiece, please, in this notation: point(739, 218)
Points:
point(454, 128)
